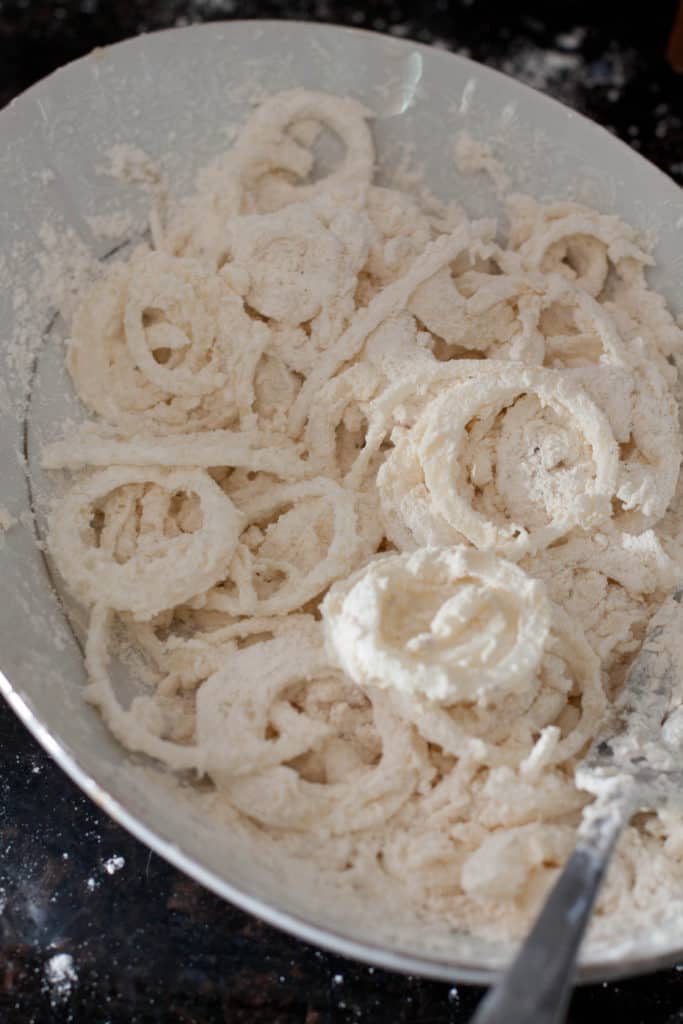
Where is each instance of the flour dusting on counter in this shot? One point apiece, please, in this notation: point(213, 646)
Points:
point(60, 977)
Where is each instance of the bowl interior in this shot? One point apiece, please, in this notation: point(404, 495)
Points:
point(177, 96)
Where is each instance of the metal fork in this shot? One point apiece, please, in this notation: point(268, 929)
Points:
point(633, 766)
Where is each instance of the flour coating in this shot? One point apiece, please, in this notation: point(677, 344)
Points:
point(379, 500)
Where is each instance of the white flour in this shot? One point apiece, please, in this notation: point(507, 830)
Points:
point(60, 977)
point(311, 386)
point(114, 863)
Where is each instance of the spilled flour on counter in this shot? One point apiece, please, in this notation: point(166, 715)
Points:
point(376, 497)
point(114, 863)
point(60, 977)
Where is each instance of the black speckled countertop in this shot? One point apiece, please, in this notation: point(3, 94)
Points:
point(94, 928)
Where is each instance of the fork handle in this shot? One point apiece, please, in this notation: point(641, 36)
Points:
point(537, 986)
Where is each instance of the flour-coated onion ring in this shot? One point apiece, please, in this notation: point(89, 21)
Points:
point(296, 267)
point(428, 485)
point(628, 385)
point(136, 728)
point(448, 624)
point(279, 548)
point(235, 705)
point(266, 153)
point(160, 345)
point(573, 240)
point(165, 570)
point(166, 311)
point(235, 708)
point(507, 731)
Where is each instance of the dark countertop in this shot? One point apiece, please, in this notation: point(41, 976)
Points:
point(94, 928)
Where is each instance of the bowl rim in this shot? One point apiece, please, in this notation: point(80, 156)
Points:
point(433, 967)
